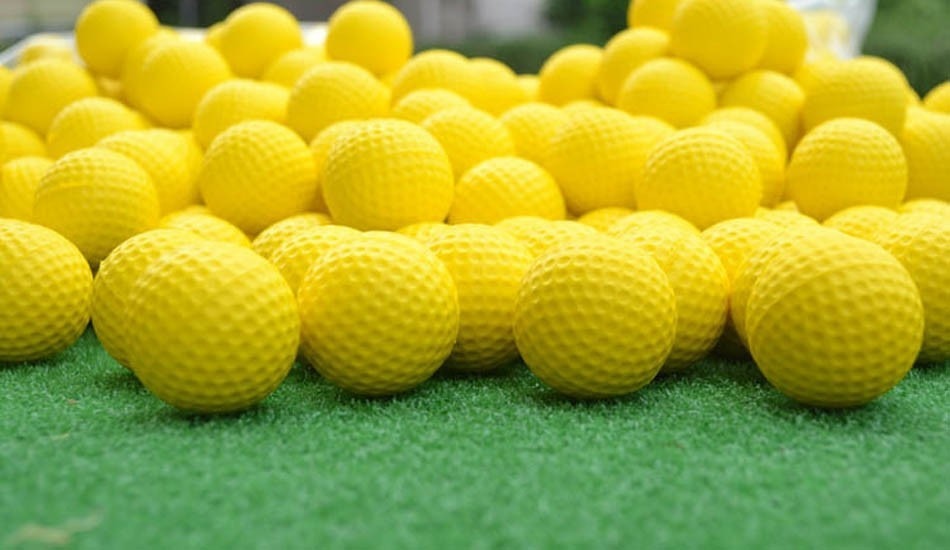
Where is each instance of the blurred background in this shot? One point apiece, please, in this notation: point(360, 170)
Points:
point(523, 33)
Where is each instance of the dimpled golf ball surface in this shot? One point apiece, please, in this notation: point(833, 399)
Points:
point(834, 322)
point(116, 278)
point(213, 328)
point(701, 286)
point(595, 318)
point(97, 199)
point(921, 242)
point(702, 175)
point(734, 240)
point(846, 162)
point(380, 314)
point(505, 187)
point(387, 174)
point(295, 256)
point(862, 221)
point(597, 156)
point(172, 159)
point(750, 270)
point(270, 239)
point(487, 265)
point(45, 290)
point(257, 173)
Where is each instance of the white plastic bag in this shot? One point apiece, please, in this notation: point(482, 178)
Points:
point(836, 27)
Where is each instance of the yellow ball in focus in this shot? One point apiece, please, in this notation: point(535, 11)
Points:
point(257, 173)
point(846, 162)
point(213, 328)
point(595, 318)
point(387, 174)
point(834, 322)
point(116, 278)
point(380, 314)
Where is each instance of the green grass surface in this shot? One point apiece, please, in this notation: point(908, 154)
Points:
point(714, 458)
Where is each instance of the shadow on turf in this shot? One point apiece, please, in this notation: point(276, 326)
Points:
point(118, 378)
point(501, 374)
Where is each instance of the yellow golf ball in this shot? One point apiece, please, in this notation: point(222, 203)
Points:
point(97, 199)
point(532, 126)
point(116, 278)
point(701, 287)
point(598, 156)
point(19, 179)
point(703, 175)
point(107, 29)
point(862, 221)
point(296, 254)
point(332, 92)
point(213, 328)
point(270, 239)
point(846, 162)
point(45, 290)
point(487, 265)
point(235, 101)
point(469, 136)
point(374, 35)
point(257, 173)
point(505, 187)
point(172, 159)
point(380, 314)
point(595, 318)
point(387, 174)
point(834, 322)
point(921, 242)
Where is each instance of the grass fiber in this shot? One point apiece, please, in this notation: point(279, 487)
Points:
point(713, 458)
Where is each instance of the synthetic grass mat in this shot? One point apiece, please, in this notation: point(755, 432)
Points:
point(713, 458)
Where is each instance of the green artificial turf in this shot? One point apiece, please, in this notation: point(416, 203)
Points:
point(714, 458)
